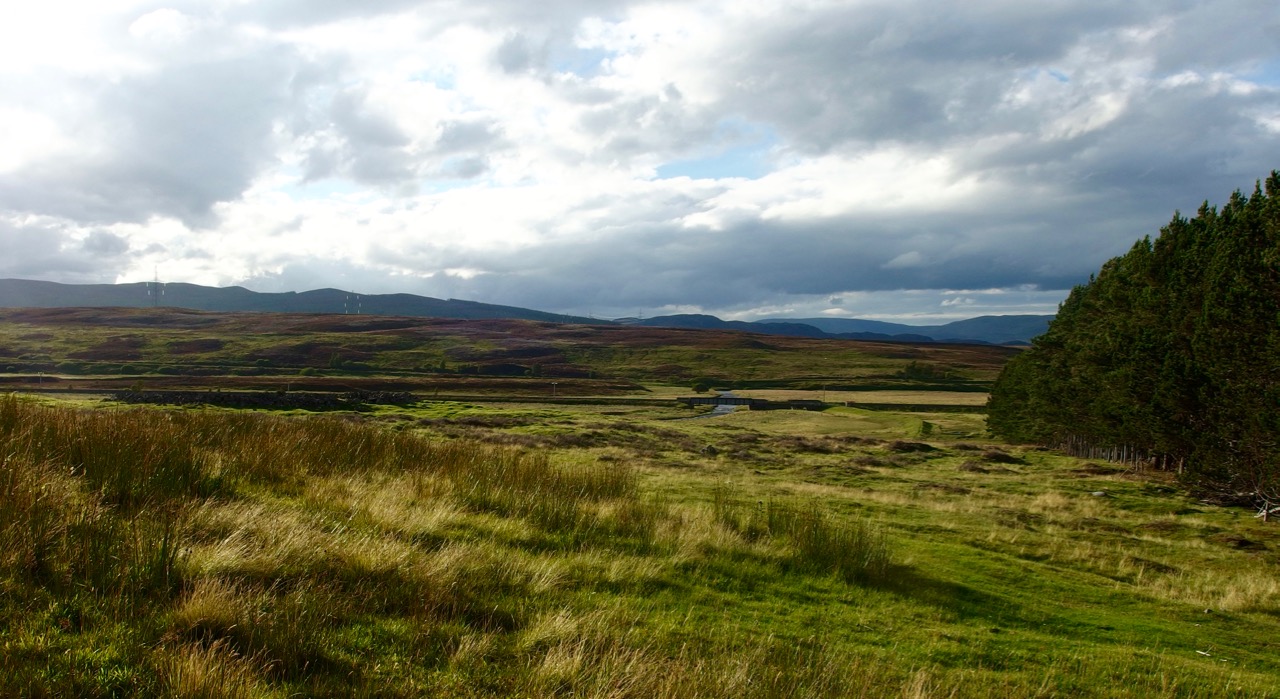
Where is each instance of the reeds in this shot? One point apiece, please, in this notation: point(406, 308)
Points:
point(855, 551)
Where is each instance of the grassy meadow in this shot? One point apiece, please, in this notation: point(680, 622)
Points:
point(506, 536)
point(492, 550)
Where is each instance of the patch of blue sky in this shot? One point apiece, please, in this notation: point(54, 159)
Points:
point(739, 149)
point(748, 162)
point(445, 80)
point(327, 188)
point(1265, 73)
point(582, 62)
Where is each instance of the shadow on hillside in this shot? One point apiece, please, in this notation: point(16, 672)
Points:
point(961, 600)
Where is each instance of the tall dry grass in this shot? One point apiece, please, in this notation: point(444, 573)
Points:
point(102, 503)
point(239, 551)
point(853, 550)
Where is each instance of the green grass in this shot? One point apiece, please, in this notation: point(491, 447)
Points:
point(900, 397)
point(589, 551)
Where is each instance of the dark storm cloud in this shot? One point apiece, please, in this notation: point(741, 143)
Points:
point(1211, 35)
point(1171, 148)
point(102, 244)
point(914, 71)
point(925, 74)
point(656, 264)
point(170, 143)
point(47, 251)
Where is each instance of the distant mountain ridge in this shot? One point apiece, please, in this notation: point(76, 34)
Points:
point(23, 293)
point(995, 330)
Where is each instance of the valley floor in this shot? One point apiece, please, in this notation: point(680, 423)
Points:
point(467, 549)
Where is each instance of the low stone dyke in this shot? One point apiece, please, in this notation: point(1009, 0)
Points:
point(268, 400)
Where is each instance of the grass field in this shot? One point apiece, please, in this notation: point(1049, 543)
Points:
point(548, 550)
point(903, 397)
point(495, 539)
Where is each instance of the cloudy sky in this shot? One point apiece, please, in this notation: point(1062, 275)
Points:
point(911, 160)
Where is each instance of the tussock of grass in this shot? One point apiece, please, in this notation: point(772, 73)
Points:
point(1221, 590)
point(855, 551)
point(66, 539)
point(212, 672)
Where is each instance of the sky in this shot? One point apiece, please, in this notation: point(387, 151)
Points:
point(912, 160)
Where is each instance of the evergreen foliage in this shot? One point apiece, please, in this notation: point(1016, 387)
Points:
point(1170, 355)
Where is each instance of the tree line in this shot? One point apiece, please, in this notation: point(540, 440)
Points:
point(1169, 356)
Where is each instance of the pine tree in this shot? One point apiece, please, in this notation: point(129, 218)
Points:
point(1171, 352)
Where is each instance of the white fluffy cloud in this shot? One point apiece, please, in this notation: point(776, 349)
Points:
point(745, 159)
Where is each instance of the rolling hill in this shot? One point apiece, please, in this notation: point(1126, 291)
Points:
point(22, 293)
point(995, 330)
